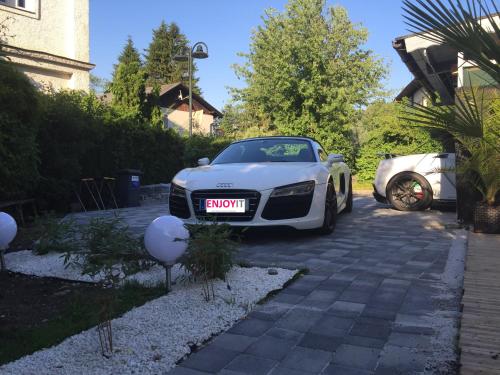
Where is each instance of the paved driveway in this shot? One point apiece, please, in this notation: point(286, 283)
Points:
point(381, 297)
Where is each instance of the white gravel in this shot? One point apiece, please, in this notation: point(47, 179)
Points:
point(52, 265)
point(152, 338)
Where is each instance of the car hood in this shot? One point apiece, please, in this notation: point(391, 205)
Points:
point(253, 176)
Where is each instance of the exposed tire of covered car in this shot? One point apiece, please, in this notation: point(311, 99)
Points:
point(349, 201)
point(409, 191)
point(330, 216)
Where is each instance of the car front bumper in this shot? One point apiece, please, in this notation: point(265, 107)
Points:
point(313, 218)
point(378, 197)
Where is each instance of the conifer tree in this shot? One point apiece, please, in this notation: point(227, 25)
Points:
point(168, 41)
point(129, 83)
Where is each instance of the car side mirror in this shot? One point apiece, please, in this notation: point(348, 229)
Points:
point(203, 161)
point(335, 158)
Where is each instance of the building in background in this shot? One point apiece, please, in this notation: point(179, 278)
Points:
point(174, 104)
point(439, 69)
point(48, 40)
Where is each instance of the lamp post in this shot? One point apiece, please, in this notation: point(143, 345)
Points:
point(198, 51)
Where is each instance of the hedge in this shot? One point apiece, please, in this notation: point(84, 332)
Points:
point(48, 142)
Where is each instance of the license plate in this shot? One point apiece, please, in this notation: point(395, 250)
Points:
point(223, 205)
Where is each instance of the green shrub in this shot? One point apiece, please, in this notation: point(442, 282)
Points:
point(200, 146)
point(109, 249)
point(210, 251)
point(19, 111)
point(210, 254)
point(59, 235)
point(381, 131)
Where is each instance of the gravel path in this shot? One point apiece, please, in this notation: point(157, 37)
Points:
point(153, 337)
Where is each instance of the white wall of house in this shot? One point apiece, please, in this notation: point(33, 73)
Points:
point(179, 120)
point(49, 41)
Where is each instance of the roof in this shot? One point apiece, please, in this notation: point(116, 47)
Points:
point(167, 88)
point(409, 90)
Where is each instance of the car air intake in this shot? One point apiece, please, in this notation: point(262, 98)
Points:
point(252, 198)
point(177, 202)
point(289, 207)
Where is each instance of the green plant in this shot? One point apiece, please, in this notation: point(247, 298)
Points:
point(19, 120)
point(56, 234)
point(473, 119)
point(108, 249)
point(459, 25)
point(380, 130)
point(210, 254)
point(307, 72)
point(199, 146)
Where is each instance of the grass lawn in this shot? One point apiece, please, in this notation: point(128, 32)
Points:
point(361, 185)
point(37, 313)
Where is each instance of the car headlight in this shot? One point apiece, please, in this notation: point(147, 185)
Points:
point(176, 190)
point(302, 188)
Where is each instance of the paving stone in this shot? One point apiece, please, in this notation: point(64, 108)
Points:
point(270, 347)
point(279, 370)
point(379, 313)
point(343, 370)
point(270, 311)
point(409, 340)
point(285, 297)
point(233, 342)
point(401, 360)
point(368, 342)
point(285, 334)
point(356, 356)
point(326, 343)
point(299, 319)
point(251, 327)
point(210, 359)
point(186, 371)
point(305, 359)
point(329, 325)
point(357, 296)
point(346, 309)
point(248, 364)
point(372, 327)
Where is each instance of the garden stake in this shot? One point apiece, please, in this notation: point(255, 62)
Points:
point(2, 260)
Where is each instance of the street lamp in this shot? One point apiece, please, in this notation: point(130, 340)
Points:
point(198, 51)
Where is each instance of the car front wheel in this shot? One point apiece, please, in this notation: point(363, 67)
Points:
point(330, 217)
point(409, 191)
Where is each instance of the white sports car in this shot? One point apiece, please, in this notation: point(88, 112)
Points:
point(267, 181)
point(413, 182)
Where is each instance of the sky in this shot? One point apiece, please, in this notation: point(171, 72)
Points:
point(226, 27)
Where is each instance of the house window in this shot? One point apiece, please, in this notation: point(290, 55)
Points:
point(475, 77)
point(21, 3)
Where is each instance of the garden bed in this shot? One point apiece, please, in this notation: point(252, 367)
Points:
point(153, 337)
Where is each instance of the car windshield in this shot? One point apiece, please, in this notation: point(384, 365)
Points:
point(266, 151)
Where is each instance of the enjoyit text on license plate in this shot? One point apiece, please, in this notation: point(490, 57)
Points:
point(225, 205)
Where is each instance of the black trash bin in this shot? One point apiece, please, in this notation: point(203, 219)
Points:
point(128, 186)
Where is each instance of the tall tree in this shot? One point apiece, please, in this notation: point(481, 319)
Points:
point(129, 84)
point(307, 71)
point(168, 41)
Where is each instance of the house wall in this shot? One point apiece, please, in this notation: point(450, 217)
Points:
point(179, 120)
point(53, 41)
point(420, 97)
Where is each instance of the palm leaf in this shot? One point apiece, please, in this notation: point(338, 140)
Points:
point(457, 23)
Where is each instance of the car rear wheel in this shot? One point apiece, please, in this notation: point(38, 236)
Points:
point(409, 191)
point(348, 204)
point(330, 218)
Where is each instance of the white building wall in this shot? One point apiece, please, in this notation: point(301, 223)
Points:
point(179, 120)
point(53, 27)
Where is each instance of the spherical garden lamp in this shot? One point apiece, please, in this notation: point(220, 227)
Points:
point(8, 230)
point(166, 240)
